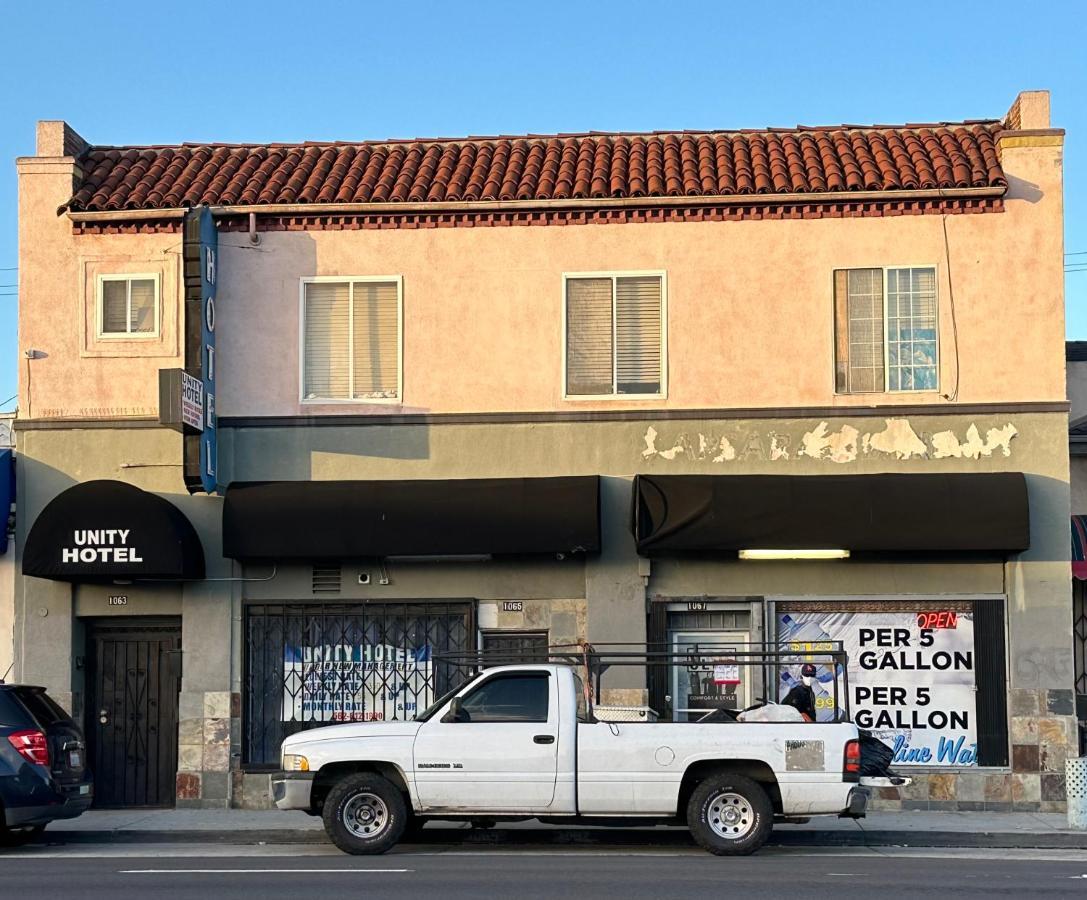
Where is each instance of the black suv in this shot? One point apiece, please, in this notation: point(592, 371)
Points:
point(43, 765)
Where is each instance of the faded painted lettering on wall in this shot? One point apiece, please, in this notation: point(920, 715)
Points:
point(898, 439)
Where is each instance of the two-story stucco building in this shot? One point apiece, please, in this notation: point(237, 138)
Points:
point(799, 385)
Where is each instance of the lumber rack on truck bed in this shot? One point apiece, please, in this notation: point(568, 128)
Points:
point(770, 668)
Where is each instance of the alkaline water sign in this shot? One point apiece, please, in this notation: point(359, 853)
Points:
point(911, 677)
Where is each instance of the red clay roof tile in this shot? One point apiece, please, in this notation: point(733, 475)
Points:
point(803, 160)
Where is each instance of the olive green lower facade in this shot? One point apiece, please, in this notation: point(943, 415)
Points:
point(222, 624)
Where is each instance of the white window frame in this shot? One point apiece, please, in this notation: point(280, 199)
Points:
point(100, 307)
point(398, 400)
point(886, 351)
point(614, 275)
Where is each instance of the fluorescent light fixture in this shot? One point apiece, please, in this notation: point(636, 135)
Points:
point(440, 558)
point(794, 554)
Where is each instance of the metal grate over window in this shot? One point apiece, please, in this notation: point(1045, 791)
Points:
point(510, 647)
point(313, 664)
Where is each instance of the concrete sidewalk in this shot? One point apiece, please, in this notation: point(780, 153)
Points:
point(914, 829)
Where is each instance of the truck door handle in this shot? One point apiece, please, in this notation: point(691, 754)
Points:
point(544, 739)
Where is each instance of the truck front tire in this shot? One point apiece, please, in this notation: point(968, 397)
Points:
point(730, 815)
point(364, 814)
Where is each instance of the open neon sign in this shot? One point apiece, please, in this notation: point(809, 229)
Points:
point(945, 619)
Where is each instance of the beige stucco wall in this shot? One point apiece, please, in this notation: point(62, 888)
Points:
point(750, 307)
point(73, 374)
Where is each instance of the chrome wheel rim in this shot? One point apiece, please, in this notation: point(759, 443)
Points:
point(730, 815)
point(365, 815)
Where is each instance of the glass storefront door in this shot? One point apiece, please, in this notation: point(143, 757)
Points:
point(711, 680)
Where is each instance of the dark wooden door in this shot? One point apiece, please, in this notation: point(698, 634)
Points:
point(133, 680)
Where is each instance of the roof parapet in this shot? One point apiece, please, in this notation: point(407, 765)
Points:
point(1029, 112)
point(56, 138)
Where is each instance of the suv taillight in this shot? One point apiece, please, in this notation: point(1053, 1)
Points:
point(851, 768)
point(31, 745)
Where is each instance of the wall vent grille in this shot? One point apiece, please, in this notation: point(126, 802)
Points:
point(327, 578)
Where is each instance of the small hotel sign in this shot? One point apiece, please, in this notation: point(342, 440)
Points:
point(100, 545)
point(181, 401)
point(192, 401)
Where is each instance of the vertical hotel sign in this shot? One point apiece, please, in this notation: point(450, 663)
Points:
point(201, 260)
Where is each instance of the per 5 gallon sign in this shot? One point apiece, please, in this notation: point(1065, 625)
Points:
point(911, 678)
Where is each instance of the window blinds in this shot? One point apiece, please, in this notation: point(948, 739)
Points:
point(352, 340)
point(589, 336)
point(141, 312)
point(327, 349)
point(376, 345)
point(128, 306)
point(638, 335)
point(613, 335)
point(858, 295)
point(114, 307)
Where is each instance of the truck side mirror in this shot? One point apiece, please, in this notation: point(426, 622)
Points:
point(455, 713)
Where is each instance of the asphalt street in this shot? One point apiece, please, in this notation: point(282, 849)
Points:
point(293, 871)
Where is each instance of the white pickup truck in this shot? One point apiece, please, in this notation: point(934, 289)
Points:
point(520, 742)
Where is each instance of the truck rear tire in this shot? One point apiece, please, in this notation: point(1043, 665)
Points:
point(364, 814)
point(730, 815)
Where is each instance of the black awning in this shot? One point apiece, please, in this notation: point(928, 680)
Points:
point(109, 530)
point(345, 519)
point(945, 513)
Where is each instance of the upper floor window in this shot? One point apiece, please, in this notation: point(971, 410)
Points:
point(351, 338)
point(615, 333)
point(885, 324)
point(128, 306)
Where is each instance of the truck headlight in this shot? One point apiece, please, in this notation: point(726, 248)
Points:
point(292, 762)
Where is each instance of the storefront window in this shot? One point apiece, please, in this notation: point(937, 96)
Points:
point(916, 678)
point(311, 664)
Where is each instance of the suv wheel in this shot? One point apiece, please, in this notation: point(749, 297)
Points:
point(730, 815)
point(364, 814)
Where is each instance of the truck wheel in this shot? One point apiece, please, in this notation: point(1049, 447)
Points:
point(730, 815)
point(364, 814)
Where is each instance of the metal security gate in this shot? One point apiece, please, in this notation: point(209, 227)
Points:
point(310, 664)
point(509, 647)
point(133, 679)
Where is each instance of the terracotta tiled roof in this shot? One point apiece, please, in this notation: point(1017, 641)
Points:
point(674, 164)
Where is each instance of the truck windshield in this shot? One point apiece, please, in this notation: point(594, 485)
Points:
point(444, 698)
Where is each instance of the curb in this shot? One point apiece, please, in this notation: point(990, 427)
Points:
point(594, 837)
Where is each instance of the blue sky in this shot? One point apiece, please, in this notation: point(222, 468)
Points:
point(155, 73)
